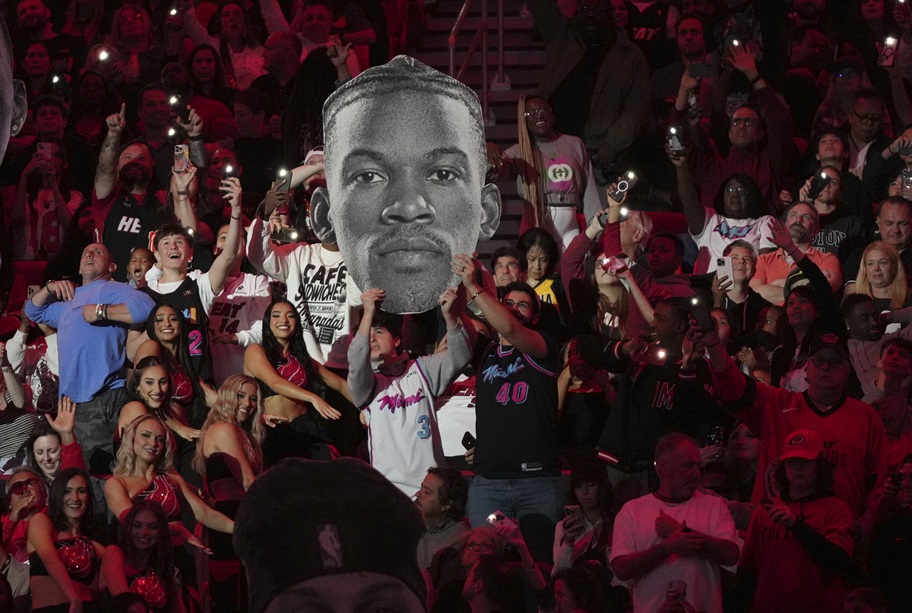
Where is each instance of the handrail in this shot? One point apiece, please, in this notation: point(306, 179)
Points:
point(481, 36)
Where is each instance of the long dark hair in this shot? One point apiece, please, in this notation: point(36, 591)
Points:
point(220, 89)
point(182, 357)
point(159, 559)
point(756, 207)
point(133, 384)
point(536, 237)
point(55, 510)
point(297, 348)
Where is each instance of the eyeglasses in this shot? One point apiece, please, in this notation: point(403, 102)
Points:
point(18, 488)
point(521, 305)
point(542, 110)
point(820, 362)
point(735, 189)
point(848, 74)
point(868, 118)
point(479, 547)
point(747, 122)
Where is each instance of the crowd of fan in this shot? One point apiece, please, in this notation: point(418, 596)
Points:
point(704, 321)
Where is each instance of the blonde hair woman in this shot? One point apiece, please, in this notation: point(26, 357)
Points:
point(882, 277)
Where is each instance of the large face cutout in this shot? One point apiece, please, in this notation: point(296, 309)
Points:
point(13, 105)
point(405, 192)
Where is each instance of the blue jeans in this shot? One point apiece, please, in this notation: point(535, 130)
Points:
point(536, 503)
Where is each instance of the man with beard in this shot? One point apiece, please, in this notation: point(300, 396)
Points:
point(773, 268)
point(125, 212)
point(675, 533)
point(405, 171)
point(516, 456)
point(595, 78)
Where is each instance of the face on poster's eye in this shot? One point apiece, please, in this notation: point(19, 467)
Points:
point(405, 172)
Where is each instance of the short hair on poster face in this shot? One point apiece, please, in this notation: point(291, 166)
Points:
point(405, 188)
point(404, 73)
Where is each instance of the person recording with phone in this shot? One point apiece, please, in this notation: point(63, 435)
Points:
point(760, 136)
point(583, 536)
point(668, 391)
point(840, 232)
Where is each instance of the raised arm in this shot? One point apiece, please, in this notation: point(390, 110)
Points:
point(695, 213)
point(220, 268)
point(106, 171)
point(500, 318)
point(360, 374)
point(273, 16)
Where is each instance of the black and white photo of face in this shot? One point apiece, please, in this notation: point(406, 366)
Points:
point(405, 192)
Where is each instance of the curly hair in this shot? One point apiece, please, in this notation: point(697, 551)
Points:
point(126, 456)
point(225, 411)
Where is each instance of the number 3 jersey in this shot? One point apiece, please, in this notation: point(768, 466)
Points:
point(515, 413)
point(403, 437)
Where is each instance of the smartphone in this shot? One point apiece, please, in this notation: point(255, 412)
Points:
point(702, 70)
point(31, 290)
point(819, 183)
point(906, 178)
point(180, 107)
point(887, 55)
point(573, 510)
point(724, 268)
point(229, 171)
point(674, 139)
point(498, 517)
point(468, 441)
point(47, 150)
point(624, 183)
point(181, 158)
point(700, 312)
point(289, 235)
point(613, 265)
point(282, 180)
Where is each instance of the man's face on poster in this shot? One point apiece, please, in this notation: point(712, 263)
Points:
point(405, 176)
point(12, 92)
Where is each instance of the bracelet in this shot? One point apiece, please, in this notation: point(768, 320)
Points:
point(196, 138)
point(477, 294)
point(101, 312)
point(756, 79)
point(233, 217)
point(183, 192)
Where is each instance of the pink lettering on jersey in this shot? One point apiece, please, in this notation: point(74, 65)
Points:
point(398, 401)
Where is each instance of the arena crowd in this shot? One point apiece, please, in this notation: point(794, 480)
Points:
point(686, 387)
